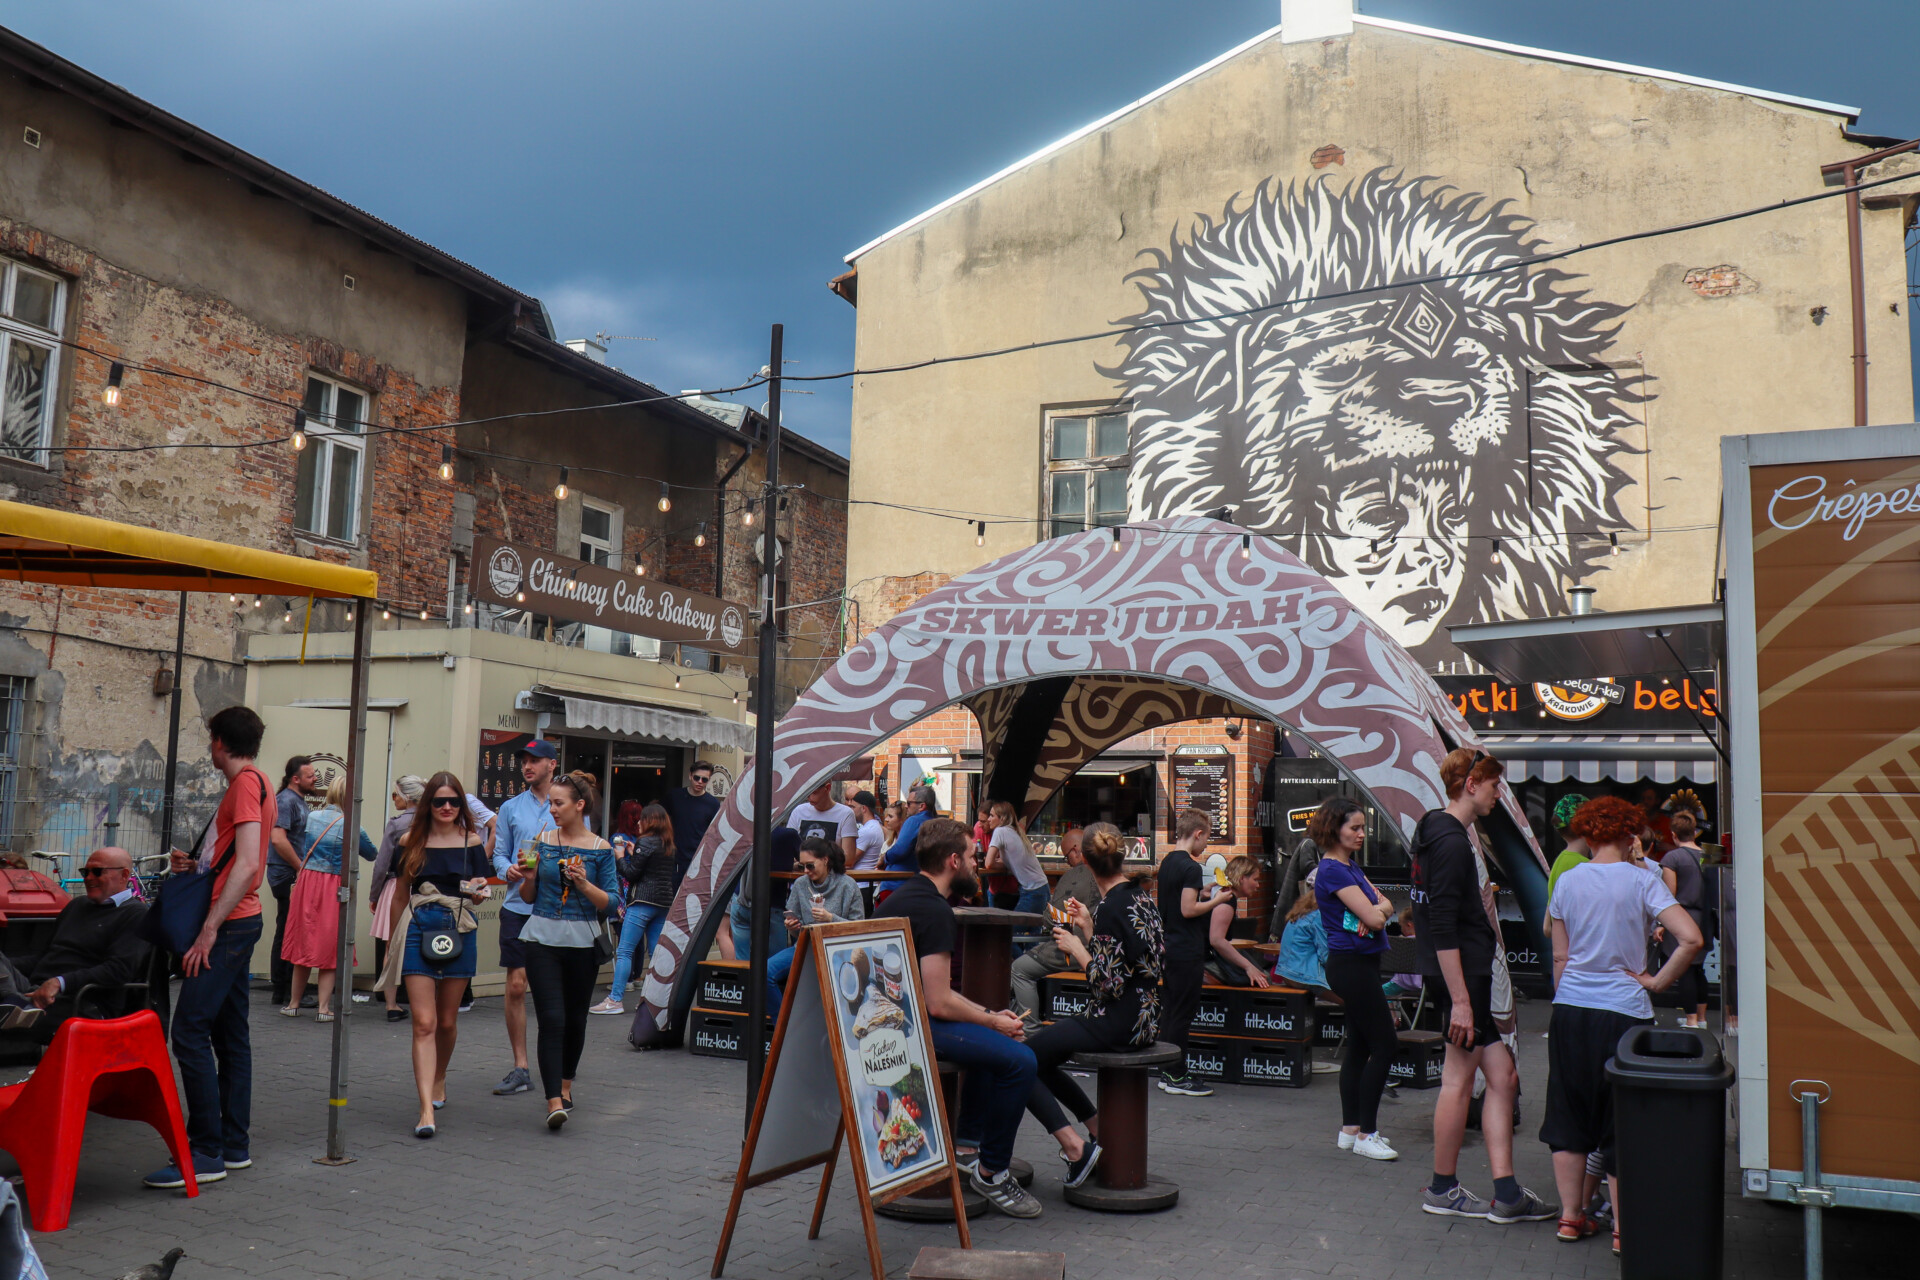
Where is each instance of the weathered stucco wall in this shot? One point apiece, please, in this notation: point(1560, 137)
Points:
point(1741, 327)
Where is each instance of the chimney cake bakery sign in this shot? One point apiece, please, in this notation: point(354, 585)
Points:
point(510, 575)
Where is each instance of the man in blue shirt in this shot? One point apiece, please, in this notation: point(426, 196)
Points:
point(520, 820)
point(289, 843)
point(922, 804)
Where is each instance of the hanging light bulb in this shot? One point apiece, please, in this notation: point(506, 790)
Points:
point(676, 679)
point(232, 598)
point(746, 516)
point(560, 490)
point(519, 597)
point(979, 533)
point(349, 615)
point(639, 568)
point(299, 440)
point(1496, 551)
point(446, 462)
point(287, 617)
point(1613, 540)
point(736, 697)
point(1246, 546)
point(700, 538)
point(110, 394)
point(1374, 546)
point(386, 615)
point(1116, 539)
point(258, 602)
point(423, 615)
point(666, 502)
point(468, 608)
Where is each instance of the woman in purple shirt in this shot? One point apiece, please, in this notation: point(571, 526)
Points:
point(1355, 915)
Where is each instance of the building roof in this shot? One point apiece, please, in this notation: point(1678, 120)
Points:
point(752, 423)
point(1850, 114)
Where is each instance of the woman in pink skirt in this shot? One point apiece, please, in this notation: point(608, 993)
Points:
point(407, 790)
point(313, 912)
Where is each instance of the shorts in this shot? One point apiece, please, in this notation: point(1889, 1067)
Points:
point(465, 965)
point(1579, 1112)
point(1479, 996)
point(512, 955)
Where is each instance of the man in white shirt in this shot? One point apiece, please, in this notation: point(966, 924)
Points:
point(820, 817)
point(869, 841)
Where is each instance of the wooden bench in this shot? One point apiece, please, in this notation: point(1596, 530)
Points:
point(1121, 1183)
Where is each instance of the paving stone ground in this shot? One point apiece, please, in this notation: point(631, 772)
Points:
point(637, 1185)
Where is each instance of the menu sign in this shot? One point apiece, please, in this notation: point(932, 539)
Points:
point(510, 575)
point(1202, 779)
point(499, 778)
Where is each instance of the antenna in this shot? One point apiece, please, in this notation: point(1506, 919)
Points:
point(603, 338)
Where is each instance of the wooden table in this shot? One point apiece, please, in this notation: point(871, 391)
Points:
point(986, 952)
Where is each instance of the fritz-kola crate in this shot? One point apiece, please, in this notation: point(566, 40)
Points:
point(1330, 1025)
point(1064, 997)
point(1216, 1012)
point(1278, 1013)
point(1418, 1061)
point(721, 985)
point(1288, 1065)
point(720, 1035)
point(1210, 1060)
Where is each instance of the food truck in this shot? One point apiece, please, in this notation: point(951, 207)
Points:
point(1816, 643)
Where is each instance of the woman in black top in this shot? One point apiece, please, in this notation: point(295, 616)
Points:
point(441, 855)
point(1121, 948)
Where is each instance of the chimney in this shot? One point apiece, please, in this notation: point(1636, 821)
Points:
point(1580, 600)
point(588, 348)
point(1314, 20)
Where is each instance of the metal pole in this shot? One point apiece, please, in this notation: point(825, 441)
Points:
point(760, 871)
point(173, 728)
point(1855, 278)
point(1811, 1208)
point(350, 883)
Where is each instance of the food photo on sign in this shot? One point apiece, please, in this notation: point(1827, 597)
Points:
point(876, 1011)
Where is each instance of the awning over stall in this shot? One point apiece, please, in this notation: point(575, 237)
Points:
point(655, 722)
point(1596, 646)
point(1112, 764)
point(1623, 757)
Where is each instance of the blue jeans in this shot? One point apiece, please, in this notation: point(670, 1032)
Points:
point(779, 965)
point(1000, 1073)
point(209, 1022)
point(1034, 900)
point(642, 920)
point(743, 935)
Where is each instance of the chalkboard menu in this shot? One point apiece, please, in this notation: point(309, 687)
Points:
point(499, 779)
point(1202, 779)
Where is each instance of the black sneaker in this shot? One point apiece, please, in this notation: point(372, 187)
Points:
point(310, 1001)
point(518, 1080)
point(1078, 1171)
point(1005, 1194)
point(1186, 1086)
point(1528, 1208)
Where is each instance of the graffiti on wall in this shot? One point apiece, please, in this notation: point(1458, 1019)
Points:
point(1446, 452)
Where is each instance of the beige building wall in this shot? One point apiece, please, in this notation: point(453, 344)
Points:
point(1740, 327)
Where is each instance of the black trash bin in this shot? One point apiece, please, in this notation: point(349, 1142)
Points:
point(1670, 1133)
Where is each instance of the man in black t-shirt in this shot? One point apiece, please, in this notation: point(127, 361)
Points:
point(691, 810)
point(1185, 901)
point(999, 1069)
point(1456, 944)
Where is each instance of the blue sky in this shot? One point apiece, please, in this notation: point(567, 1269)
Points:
point(694, 170)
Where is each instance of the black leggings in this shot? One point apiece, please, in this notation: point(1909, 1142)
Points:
point(560, 980)
point(1691, 988)
point(1371, 1040)
point(1052, 1087)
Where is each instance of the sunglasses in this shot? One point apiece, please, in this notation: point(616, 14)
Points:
point(701, 778)
point(446, 802)
point(96, 871)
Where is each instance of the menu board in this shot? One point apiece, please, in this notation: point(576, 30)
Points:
point(891, 1075)
point(499, 777)
point(1202, 779)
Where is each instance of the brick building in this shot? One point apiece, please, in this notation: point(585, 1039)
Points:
point(279, 361)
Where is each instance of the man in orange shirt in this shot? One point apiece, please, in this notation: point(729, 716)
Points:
point(211, 1040)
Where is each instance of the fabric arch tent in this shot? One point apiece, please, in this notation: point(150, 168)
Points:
point(1076, 643)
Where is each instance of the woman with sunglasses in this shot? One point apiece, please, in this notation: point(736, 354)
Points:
point(443, 866)
point(572, 883)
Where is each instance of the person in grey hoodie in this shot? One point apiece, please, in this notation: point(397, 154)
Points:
point(644, 843)
point(822, 894)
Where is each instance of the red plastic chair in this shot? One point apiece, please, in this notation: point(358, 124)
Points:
point(118, 1068)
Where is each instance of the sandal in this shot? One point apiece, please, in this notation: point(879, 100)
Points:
point(289, 1011)
point(325, 1015)
point(1572, 1229)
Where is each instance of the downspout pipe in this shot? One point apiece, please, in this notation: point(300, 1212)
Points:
point(1848, 171)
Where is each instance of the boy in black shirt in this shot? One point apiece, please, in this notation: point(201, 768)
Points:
point(1456, 944)
point(1000, 1070)
point(1184, 905)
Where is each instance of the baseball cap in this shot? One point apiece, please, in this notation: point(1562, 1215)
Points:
point(541, 749)
point(866, 798)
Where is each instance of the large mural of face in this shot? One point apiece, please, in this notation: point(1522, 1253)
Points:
point(1384, 432)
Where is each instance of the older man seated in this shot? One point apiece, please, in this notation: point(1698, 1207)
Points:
point(96, 943)
point(1029, 969)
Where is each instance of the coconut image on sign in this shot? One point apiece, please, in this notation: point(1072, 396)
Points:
point(883, 1056)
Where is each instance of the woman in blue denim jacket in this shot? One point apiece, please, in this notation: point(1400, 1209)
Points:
point(313, 908)
point(573, 884)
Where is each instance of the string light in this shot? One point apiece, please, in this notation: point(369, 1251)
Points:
point(666, 502)
point(639, 568)
point(979, 533)
point(258, 602)
point(423, 615)
point(110, 394)
point(386, 615)
point(1496, 551)
point(560, 490)
point(736, 697)
point(288, 616)
point(232, 598)
point(299, 440)
point(1246, 546)
point(746, 516)
point(446, 462)
point(468, 608)
point(1614, 540)
point(700, 538)
point(1116, 539)
point(676, 679)
point(1374, 546)
point(519, 597)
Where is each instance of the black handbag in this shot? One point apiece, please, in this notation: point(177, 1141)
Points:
point(603, 947)
point(181, 903)
point(441, 945)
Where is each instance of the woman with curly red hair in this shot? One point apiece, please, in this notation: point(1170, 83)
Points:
point(1601, 915)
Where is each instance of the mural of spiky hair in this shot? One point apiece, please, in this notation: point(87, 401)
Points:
point(1386, 432)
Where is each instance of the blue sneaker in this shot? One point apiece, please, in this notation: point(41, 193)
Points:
point(205, 1169)
point(237, 1160)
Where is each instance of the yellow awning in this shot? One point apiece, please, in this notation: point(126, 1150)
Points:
point(58, 547)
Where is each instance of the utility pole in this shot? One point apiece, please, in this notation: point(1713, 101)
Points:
point(759, 871)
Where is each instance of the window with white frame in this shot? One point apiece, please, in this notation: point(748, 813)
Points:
point(326, 497)
point(32, 306)
point(1087, 460)
point(597, 531)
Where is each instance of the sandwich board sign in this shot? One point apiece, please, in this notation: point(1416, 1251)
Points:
point(851, 1063)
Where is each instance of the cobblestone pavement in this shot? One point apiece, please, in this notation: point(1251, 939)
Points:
point(637, 1185)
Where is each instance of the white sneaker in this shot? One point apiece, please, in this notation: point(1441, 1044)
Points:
point(1345, 1139)
point(607, 1006)
point(1374, 1147)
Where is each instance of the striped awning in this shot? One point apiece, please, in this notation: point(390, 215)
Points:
point(1623, 757)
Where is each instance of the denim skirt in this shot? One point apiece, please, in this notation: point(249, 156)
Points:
point(439, 918)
